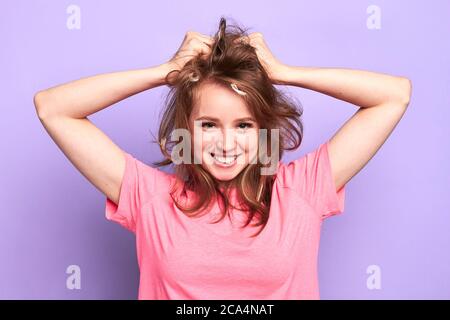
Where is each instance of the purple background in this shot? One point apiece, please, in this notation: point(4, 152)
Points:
point(396, 210)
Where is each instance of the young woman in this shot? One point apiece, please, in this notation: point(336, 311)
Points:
point(221, 227)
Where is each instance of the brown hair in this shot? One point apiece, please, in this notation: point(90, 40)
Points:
point(229, 62)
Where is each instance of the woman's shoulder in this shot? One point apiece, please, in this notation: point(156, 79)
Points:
point(151, 179)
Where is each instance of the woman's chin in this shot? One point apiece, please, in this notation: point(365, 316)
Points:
point(224, 174)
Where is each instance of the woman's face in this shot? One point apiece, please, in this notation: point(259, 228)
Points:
point(225, 136)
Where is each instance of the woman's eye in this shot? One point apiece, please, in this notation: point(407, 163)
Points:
point(245, 125)
point(207, 125)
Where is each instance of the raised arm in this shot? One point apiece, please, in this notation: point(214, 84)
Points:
point(382, 100)
point(63, 112)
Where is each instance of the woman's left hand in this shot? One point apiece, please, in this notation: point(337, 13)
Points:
point(275, 69)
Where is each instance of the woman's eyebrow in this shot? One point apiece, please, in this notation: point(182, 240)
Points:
point(218, 120)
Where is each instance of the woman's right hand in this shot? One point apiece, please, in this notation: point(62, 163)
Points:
point(193, 44)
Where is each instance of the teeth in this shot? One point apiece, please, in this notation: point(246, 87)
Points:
point(225, 160)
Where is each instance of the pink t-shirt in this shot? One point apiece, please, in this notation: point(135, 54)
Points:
point(188, 258)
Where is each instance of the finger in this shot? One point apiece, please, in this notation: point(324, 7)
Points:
point(202, 47)
point(209, 44)
point(185, 55)
point(205, 36)
point(256, 34)
point(205, 49)
point(242, 39)
point(206, 39)
point(255, 38)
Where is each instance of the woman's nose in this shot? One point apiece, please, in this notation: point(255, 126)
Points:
point(226, 144)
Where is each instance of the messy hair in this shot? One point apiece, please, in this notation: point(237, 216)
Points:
point(236, 63)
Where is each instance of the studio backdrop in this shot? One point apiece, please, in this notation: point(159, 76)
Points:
point(392, 240)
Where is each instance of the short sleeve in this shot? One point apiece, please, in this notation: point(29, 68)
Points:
point(311, 176)
point(138, 186)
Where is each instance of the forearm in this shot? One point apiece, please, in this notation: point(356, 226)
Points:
point(361, 88)
point(83, 97)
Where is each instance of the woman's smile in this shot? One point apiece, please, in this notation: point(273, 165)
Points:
point(225, 162)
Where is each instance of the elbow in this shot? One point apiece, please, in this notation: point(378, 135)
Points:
point(39, 103)
point(405, 91)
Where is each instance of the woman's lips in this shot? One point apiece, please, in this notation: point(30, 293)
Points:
point(220, 163)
